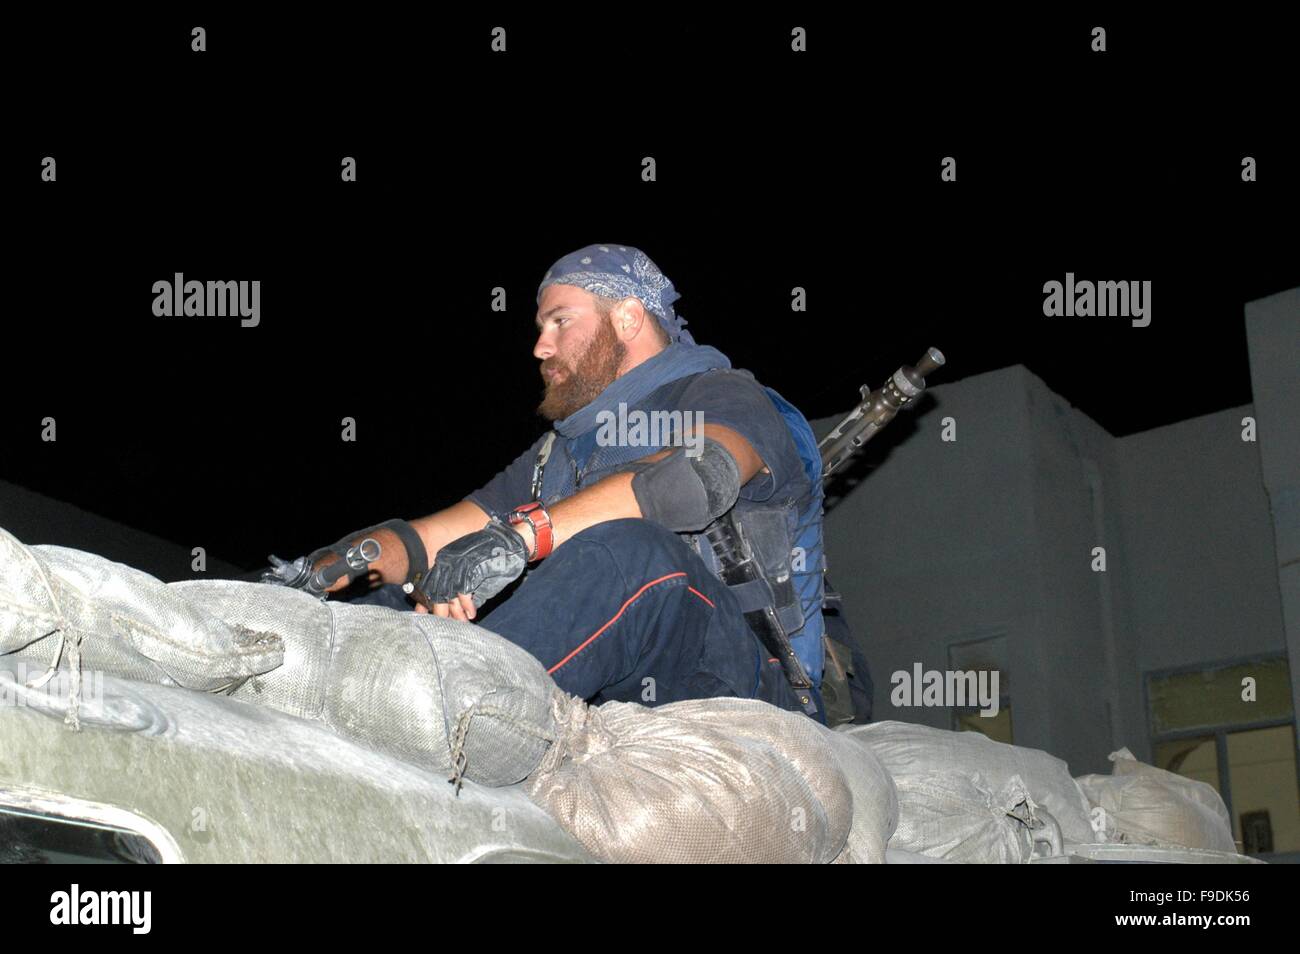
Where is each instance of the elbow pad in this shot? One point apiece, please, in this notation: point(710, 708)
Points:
point(688, 493)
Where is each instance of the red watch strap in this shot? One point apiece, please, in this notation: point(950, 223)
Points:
point(540, 521)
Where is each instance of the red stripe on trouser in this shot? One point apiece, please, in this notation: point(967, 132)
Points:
point(630, 600)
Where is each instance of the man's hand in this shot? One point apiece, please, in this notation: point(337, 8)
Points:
point(472, 569)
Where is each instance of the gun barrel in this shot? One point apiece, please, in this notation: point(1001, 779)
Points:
point(930, 362)
point(876, 410)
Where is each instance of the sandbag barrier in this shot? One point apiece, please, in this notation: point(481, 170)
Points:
point(703, 780)
point(60, 606)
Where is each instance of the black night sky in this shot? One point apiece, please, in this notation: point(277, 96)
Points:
point(475, 170)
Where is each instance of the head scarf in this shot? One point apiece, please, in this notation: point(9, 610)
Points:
point(619, 271)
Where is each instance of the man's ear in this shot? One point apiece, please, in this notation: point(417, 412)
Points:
point(638, 317)
point(624, 317)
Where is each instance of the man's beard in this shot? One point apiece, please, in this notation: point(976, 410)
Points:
point(593, 371)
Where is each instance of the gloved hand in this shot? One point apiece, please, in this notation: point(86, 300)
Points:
point(479, 564)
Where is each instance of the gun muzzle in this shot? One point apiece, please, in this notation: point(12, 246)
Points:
point(877, 409)
point(930, 362)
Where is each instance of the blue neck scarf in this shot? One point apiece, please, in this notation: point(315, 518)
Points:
point(678, 360)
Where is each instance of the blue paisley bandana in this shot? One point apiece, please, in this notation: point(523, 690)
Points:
point(617, 271)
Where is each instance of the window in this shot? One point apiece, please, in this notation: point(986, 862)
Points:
point(997, 728)
point(1206, 726)
point(986, 653)
point(27, 838)
point(42, 827)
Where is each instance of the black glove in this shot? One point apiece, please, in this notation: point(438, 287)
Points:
point(482, 564)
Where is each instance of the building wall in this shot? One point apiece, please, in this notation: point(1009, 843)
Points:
point(930, 547)
point(1073, 632)
point(995, 532)
point(1273, 336)
point(1124, 714)
point(1201, 557)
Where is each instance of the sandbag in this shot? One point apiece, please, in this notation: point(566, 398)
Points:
point(304, 624)
point(1144, 805)
point(439, 692)
point(68, 608)
point(702, 780)
point(446, 695)
point(443, 694)
point(908, 749)
point(875, 800)
point(875, 803)
point(960, 819)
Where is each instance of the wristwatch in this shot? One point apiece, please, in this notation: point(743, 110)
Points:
point(535, 515)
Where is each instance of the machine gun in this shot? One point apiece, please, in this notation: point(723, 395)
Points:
point(877, 409)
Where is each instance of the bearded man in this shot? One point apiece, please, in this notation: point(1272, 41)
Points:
point(622, 597)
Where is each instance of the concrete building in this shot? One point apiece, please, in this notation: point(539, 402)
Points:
point(986, 552)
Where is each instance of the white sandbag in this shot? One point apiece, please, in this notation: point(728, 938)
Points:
point(304, 624)
point(1144, 805)
point(875, 800)
point(69, 608)
point(959, 819)
point(703, 780)
point(875, 804)
point(439, 693)
point(907, 749)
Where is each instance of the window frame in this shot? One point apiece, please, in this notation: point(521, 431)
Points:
point(1221, 732)
point(68, 809)
point(983, 634)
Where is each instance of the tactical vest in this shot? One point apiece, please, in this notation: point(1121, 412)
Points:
point(784, 531)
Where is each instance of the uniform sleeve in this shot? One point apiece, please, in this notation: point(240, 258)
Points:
point(734, 399)
point(508, 489)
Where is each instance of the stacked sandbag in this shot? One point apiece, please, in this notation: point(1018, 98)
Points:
point(304, 624)
point(960, 819)
point(67, 609)
point(698, 781)
point(445, 695)
point(439, 693)
point(875, 800)
point(915, 755)
point(1140, 804)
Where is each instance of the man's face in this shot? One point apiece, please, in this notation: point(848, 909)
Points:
point(581, 354)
